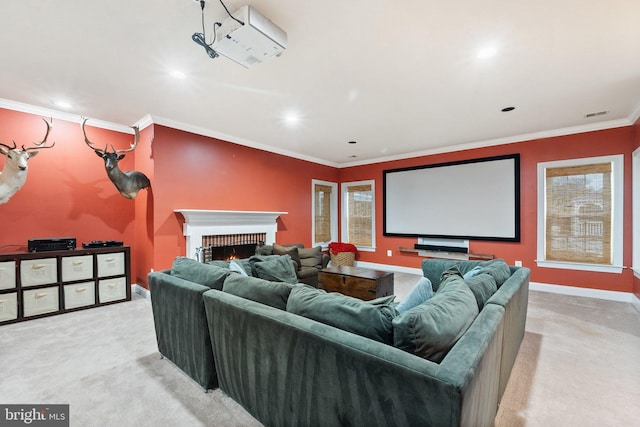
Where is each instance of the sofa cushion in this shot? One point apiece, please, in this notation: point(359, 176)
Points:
point(292, 251)
point(197, 272)
point(274, 294)
point(264, 250)
point(498, 269)
point(430, 329)
point(347, 313)
point(483, 286)
point(278, 269)
point(311, 257)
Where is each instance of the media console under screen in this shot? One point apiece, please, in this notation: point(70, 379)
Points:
point(476, 199)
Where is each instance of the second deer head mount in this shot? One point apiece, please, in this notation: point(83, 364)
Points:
point(128, 183)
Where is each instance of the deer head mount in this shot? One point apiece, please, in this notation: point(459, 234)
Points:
point(128, 183)
point(14, 174)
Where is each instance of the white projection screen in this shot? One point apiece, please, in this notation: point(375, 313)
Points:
point(475, 199)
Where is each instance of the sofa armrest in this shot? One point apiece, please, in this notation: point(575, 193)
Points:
point(181, 326)
point(513, 295)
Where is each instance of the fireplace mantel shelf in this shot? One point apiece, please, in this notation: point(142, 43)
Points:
point(200, 222)
point(218, 217)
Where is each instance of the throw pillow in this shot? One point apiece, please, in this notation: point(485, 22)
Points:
point(311, 257)
point(482, 286)
point(430, 329)
point(234, 266)
point(274, 294)
point(278, 269)
point(498, 269)
point(197, 272)
point(292, 251)
point(347, 313)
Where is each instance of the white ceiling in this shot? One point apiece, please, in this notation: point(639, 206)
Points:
point(399, 77)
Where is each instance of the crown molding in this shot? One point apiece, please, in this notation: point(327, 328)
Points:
point(611, 124)
point(163, 121)
point(61, 115)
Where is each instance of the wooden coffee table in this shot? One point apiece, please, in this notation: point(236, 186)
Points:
point(363, 283)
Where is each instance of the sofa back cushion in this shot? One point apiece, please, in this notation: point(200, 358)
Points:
point(197, 272)
point(274, 294)
point(498, 269)
point(311, 257)
point(292, 251)
point(483, 286)
point(365, 318)
point(430, 329)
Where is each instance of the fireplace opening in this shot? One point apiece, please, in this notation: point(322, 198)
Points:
point(229, 246)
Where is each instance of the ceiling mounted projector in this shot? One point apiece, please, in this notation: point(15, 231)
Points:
point(256, 41)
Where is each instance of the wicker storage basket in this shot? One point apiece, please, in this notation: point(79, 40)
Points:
point(343, 258)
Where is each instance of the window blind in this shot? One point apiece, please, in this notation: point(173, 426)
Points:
point(360, 214)
point(322, 201)
point(578, 213)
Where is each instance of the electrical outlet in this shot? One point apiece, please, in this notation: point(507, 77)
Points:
point(389, 252)
point(518, 263)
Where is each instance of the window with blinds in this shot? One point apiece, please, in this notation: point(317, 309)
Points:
point(358, 214)
point(579, 207)
point(325, 212)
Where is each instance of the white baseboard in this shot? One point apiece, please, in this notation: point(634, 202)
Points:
point(140, 290)
point(582, 292)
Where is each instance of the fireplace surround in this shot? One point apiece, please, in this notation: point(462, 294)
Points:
point(205, 223)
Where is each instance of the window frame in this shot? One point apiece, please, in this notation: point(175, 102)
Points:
point(345, 220)
point(333, 212)
point(617, 218)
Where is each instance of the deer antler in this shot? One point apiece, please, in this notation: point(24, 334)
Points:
point(40, 145)
point(89, 143)
point(8, 147)
point(132, 146)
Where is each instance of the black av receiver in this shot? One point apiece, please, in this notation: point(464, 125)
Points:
point(52, 244)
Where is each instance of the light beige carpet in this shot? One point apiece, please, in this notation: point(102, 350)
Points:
point(578, 366)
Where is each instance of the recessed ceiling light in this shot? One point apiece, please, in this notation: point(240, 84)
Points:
point(487, 52)
point(177, 74)
point(507, 109)
point(63, 104)
point(291, 118)
point(352, 142)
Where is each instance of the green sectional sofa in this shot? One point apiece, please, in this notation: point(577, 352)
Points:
point(291, 354)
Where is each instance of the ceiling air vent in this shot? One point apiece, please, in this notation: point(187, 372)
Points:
point(599, 113)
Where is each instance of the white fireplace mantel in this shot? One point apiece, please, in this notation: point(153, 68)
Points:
point(200, 223)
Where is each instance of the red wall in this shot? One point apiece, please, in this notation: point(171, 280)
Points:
point(197, 172)
point(606, 142)
point(67, 192)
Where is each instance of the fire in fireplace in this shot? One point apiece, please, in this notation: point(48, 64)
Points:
point(229, 246)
